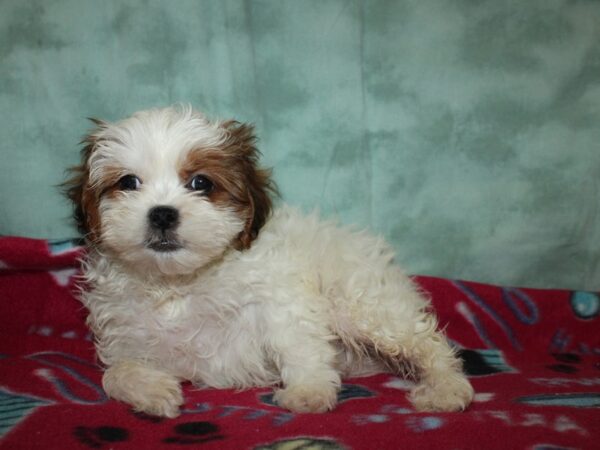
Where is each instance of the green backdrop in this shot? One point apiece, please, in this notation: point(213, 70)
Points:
point(466, 132)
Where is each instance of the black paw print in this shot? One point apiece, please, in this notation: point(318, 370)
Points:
point(99, 436)
point(194, 433)
point(566, 363)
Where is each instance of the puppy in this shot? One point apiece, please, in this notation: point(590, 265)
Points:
point(191, 276)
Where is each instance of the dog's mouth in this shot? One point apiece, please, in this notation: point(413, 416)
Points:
point(164, 244)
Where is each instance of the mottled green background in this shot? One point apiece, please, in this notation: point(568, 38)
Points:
point(467, 132)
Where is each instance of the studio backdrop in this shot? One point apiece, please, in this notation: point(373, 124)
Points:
point(465, 132)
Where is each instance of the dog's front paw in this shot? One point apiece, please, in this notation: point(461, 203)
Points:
point(307, 398)
point(147, 390)
point(453, 393)
point(162, 399)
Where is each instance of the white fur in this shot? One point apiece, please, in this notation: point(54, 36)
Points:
point(308, 303)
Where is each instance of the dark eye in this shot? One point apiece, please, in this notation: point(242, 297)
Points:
point(129, 183)
point(201, 184)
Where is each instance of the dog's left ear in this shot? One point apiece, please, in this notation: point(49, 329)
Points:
point(257, 184)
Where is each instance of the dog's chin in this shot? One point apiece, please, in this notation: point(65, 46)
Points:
point(173, 259)
point(170, 255)
point(178, 261)
point(161, 258)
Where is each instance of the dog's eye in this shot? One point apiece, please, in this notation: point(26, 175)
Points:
point(129, 183)
point(201, 184)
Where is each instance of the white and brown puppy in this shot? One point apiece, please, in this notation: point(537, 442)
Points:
point(191, 277)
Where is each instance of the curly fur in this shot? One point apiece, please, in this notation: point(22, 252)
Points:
point(251, 298)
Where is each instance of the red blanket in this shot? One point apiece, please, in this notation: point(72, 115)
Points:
point(533, 357)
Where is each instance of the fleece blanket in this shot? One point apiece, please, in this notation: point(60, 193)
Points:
point(533, 357)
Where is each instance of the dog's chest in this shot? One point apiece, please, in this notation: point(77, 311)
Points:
point(205, 343)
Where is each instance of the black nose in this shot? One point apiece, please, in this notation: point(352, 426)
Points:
point(163, 217)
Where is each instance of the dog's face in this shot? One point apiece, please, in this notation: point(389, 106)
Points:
point(169, 190)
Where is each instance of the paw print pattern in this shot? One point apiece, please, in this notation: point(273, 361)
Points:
point(98, 437)
point(194, 433)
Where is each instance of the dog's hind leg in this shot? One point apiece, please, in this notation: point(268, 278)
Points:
point(442, 385)
point(392, 318)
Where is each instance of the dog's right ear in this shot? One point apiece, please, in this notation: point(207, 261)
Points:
point(255, 196)
point(80, 191)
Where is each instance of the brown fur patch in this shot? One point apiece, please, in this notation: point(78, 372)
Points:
point(238, 182)
point(85, 197)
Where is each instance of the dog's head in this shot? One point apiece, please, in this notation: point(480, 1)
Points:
point(169, 190)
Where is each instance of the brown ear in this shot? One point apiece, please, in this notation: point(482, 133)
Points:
point(257, 183)
point(78, 189)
